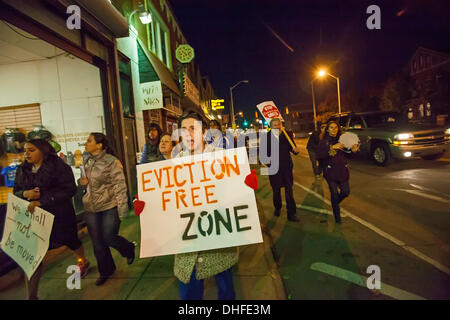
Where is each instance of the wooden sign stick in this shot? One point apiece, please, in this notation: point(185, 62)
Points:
point(289, 139)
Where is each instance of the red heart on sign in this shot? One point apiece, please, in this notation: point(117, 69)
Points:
point(138, 206)
point(252, 180)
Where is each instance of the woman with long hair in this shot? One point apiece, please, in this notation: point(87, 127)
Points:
point(47, 182)
point(331, 152)
point(106, 203)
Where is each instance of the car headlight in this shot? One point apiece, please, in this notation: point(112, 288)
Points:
point(447, 131)
point(447, 134)
point(403, 136)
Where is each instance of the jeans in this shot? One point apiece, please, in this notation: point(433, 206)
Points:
point(290, 202)
point(194, 289)
point(103, 227)
point(317, 169)
point(337, 196)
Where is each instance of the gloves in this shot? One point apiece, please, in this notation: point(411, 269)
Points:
point(252, 180)
point(138, 206)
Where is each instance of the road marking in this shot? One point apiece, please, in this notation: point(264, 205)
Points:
point(425, 195)
point(343, 211)
point(355, 278)
point(386, 235)
point(315, 209)
point(427, 189)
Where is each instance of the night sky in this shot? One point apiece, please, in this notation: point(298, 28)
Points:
point(233, 43)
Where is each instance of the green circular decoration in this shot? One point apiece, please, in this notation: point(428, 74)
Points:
point(184, 53)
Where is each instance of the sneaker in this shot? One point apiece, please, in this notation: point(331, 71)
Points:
point(293, 218)
point(84, 267)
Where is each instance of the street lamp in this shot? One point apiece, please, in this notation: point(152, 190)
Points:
point(231, 98)
point(322, 73)
point(314, 104)
point(144, 16)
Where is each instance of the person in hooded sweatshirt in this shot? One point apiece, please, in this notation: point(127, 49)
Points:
point(151, 151)
point(331, 152)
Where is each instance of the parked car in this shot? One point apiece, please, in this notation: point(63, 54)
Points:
point(386, 135)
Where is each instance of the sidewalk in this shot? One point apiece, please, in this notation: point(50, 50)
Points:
point(256, 275)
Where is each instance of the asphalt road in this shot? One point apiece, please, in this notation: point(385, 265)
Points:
point(396, 218)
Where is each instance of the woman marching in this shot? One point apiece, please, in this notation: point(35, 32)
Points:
point(331, 152)
point(47, 182)
point(106, 203)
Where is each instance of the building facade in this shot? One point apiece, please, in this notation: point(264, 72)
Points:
point(430, 72)
point(162, 85)
point(75, 67)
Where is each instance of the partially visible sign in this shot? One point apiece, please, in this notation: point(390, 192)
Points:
point(217, 104)
point(151, 96)
point(189, 206)
point(26, 235)
point(191, 91)
point(269, 110)
point(184, 53)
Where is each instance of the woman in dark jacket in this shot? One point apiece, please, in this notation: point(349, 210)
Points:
point(151, 152)
point(334, 162)
point(47, 182)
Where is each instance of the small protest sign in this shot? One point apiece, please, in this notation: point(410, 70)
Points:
point(269, 111)
point(196, 203)
point(26, 235)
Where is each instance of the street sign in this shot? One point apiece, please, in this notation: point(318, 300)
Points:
point(184, 53)
point(216, 104)
point(151, 96)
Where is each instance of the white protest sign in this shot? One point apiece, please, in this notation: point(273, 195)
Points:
point(269, 111)
point(197, 203)
point(26, 235)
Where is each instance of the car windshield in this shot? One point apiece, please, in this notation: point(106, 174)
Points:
point(381, 119)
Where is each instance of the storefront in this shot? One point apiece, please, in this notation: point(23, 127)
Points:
point(155, 92)
point(60, 84)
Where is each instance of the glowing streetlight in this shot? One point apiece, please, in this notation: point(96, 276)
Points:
point(322, 73)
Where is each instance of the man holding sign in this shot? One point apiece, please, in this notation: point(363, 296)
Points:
point(284, 177)
point(199, 209)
